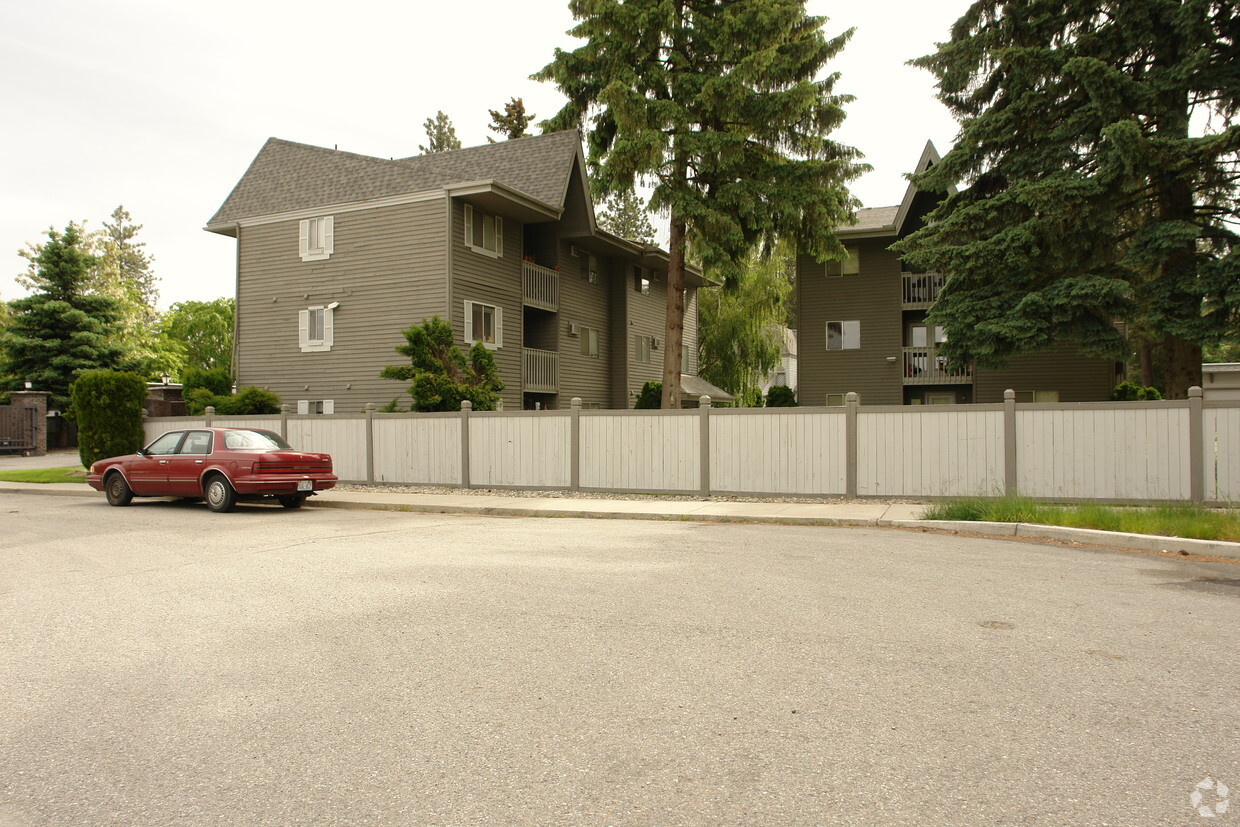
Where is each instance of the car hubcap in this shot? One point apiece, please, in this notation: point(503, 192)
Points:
point(215, 492)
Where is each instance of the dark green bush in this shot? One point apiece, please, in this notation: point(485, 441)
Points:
point(247, 401)
point(217, 381)
point(1132, 392)
point(651, 397)
point(107, 407)
point(781, 396)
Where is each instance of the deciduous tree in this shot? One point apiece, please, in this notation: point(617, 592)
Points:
point(725, 108)
point(440, 135)
point(202, 332)
point(1099, 160)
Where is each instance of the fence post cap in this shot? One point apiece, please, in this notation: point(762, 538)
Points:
point(370, 406)
point(1009, 394)
point(210, 410)
point(851, 397)
point(285, 408)
point(1194, 392)
point(704, 401)
point(466, 405)
point(575, 403)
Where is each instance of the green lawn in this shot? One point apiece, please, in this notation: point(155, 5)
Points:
point(44, 475)
point(1189, 521)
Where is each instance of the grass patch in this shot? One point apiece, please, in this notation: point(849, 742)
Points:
point(1188, 521)
point(44, 475)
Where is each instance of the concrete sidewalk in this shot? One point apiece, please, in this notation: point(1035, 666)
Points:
point(856, 513)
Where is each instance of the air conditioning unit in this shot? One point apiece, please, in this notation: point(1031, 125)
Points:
point(657, 343)
point(574, 329)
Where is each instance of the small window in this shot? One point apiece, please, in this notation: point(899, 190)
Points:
point(316, 328)
point(484, 233)
point(316, 406)
point(642, 346)
point(835, 400)
point(849, 266)
point(592, 270)
point(484, 323)
point(316, 238)
point(843, 335)
point(589, 342)
point(641, 280)
point(1037, 396)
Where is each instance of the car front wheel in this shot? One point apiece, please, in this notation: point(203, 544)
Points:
point(220, 495)
point(117, 490)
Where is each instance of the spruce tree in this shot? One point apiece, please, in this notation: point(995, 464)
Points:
point(512, 122)
point(439, 374)
point(61, 330)
point(625, 215)
point(440, 135)
point(1092, 192)
point(724, 107)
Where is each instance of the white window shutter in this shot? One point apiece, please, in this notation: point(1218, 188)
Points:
point(469, 321)
point(499, 324)
point(499, 238)
point(303, 406)
point(329, 235)
point(303, 238)
point(329, 406)
point(303, 329)
point(329, 327)
point(469, 225)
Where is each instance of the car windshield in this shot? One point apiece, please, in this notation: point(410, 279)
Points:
point(255, 440)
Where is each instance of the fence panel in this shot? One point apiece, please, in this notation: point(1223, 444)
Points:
point(520, 449)
point(344, 437)
point(641, 451)
point(1112, 453)
point(422, 449)
point(785, 452)
point(930, 452)
point(1221, 445)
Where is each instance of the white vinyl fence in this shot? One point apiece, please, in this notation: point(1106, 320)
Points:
point(1108, 451)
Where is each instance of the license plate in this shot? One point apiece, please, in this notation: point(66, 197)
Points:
point(305, 485)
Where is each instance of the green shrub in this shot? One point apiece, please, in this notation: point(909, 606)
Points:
point(107, 406)
point(781, 396)
point(217, 381)
point(247, 401)
point(1132, 392)
point(651, 397)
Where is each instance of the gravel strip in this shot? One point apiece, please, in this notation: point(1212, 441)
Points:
point(597, 495)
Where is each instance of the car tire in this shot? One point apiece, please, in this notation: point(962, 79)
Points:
point(220, 496)
point(292, 501)
point(117, 490)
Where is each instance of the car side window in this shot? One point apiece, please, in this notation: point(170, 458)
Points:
point(166, 444)
point(197, 442)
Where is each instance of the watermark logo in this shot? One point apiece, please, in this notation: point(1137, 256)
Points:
point(1210, 798)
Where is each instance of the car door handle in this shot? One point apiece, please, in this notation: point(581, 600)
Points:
point(198, 462)
point(163, 462)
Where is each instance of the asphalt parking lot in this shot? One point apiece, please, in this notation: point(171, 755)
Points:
point(164, 665)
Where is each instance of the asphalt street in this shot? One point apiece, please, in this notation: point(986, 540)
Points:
point(161, 664)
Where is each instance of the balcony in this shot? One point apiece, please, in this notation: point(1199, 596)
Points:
point(924, 366)
point(540, 286)
point(921, 290)
point(541, 371)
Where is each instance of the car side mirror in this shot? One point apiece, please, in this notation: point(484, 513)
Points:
point(142, 452)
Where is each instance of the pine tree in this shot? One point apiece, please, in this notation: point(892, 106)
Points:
point(512, 122)
point(1092, 193)
point(440, 376)
point(61, 329)
point(719, 104)
point(440, 135)
point(625, 215)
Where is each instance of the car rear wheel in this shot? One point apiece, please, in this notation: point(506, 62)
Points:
point(220, 495)
point(292, 501)
point(117, 490)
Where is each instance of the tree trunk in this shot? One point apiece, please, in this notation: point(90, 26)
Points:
point(673, 340)
point(1147, 364)
point(1181, 366)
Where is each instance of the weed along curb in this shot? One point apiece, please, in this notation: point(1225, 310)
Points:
point(856, 514)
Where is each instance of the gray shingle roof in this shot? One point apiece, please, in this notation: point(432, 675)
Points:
point(870, 219)
point(287, 176)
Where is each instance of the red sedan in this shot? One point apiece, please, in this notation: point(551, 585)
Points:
point(220, 465)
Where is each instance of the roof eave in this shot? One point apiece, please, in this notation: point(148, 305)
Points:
point(487, 194)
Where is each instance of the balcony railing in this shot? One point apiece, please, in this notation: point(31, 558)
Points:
point(921, 290)
point(540, 286)
point(541, 371)
point(924, 366)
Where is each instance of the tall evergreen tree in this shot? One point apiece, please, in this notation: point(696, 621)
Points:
point(61, 329)
point(440, 135)
point(625, 215)
point(721, 105)
point(1092, 192)
point(512, 122)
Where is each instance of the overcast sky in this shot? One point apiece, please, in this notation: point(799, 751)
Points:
point(161, 106)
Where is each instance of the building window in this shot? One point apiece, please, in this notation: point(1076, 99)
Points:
point(316, 329)
point(316, 406)
point(592, 269)
point(484, 323)
point(1037, 396)
point(920, 333)
point(641, 280)
point(484, 233)
point(316, 238)
point(849, 266)
point(835, 400)
point(642, 346)
point(589, 342)
point(843, 335)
